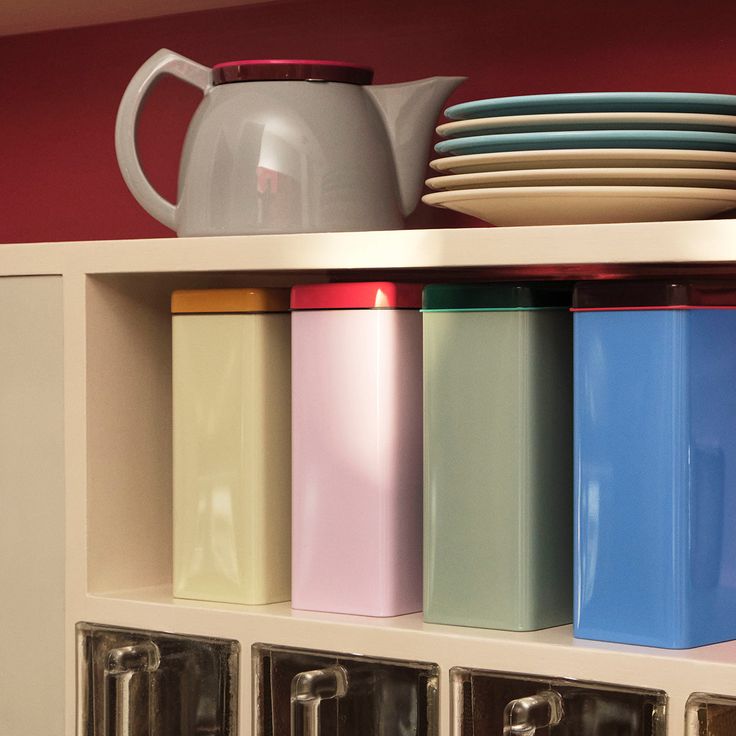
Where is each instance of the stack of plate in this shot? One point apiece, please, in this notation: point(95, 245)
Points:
point(588, 157)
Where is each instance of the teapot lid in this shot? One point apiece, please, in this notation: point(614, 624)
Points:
point(262, 70)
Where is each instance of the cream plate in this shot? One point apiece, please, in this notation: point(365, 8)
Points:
point(622, 176)
point(588, 121)
point(585, 157)
point(567, 205)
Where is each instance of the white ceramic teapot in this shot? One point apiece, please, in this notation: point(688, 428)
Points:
point(281, 146)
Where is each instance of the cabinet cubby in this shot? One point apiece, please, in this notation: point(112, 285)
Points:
point(117, 428)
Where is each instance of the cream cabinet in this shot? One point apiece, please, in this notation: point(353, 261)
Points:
point(32, 628)
point(86, 523)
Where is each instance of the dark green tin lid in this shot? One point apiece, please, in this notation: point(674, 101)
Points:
point(495, 297)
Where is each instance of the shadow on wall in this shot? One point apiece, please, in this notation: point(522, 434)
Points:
point(60, 179)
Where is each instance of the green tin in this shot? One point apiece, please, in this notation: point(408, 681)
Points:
point(498, 455)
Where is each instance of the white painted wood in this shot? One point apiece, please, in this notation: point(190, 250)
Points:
point(32, 676)
point(697, 242)
point(118, 492)
point(547, 652)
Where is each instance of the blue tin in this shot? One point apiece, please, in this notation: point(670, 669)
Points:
point(655, 463)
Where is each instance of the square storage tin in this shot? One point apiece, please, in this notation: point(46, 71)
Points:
point(232, 445)
point(655, 462)
point(497, 455)
point(357, 448)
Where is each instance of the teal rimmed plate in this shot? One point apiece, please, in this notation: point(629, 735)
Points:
point(689, 139)
point(596, 102)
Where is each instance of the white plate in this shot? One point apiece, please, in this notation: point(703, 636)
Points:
point(588, 121)
point(585, 157)
point(508, 206)
point(621, 176)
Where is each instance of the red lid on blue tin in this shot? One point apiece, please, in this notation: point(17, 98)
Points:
point(592, 296)
point(295, 70)
point(358, 295)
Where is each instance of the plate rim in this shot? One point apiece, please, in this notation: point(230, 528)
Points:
point(444, 163)
point(592, 171)
point(700, 193)
point(708, 99)
point(684, 118)
point(549, 137)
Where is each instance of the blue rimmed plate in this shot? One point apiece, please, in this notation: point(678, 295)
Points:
point(596, 102)
point(689, 139)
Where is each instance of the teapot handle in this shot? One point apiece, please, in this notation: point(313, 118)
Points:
point(144, 80)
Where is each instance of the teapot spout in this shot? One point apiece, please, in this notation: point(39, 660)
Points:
point(409, 111)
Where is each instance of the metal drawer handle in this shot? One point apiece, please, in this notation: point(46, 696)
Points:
point(122, 664)
point(524, 716)
point(308, 690)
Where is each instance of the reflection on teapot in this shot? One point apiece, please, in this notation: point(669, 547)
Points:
point(288, 146)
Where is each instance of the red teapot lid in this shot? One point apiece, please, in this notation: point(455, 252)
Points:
point(271, 70)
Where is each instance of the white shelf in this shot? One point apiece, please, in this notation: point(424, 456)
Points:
point(118, 419)
point(699, 243)
point(549, 652)
point(475, 647)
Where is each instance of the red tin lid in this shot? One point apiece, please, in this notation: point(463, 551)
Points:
point(361, 295)
point(272, 70)
point(592, 296)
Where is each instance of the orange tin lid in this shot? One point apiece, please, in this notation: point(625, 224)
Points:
point(230, 301)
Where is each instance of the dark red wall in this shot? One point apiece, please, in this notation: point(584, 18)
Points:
point(60, 90)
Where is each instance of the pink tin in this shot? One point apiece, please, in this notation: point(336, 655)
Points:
point(357, 448)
